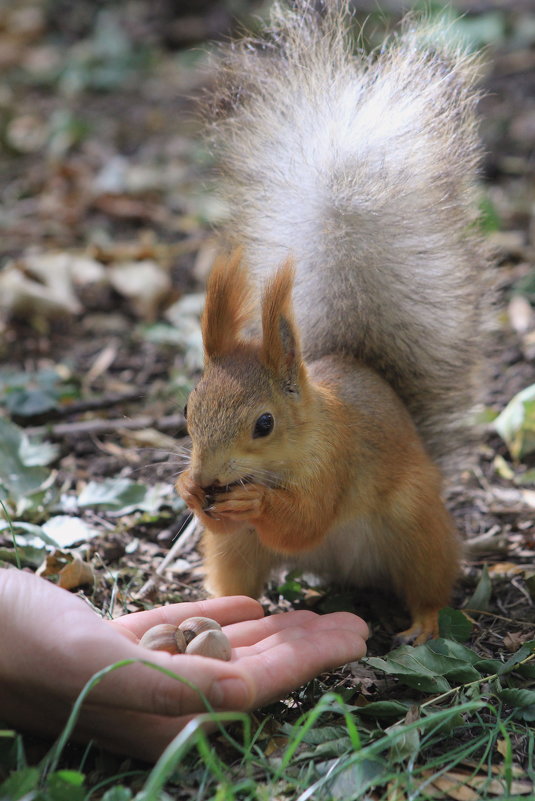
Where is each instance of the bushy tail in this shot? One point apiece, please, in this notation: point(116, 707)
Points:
point(362, 168)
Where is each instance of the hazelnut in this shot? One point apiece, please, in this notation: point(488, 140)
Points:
point(164, 637)
point(212, 643)
point(194, 626)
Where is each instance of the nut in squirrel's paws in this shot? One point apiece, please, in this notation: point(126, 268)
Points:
point(238, 502)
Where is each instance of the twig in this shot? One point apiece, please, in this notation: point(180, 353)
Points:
point(103, 402)
point(191, 528)
point(99, 426)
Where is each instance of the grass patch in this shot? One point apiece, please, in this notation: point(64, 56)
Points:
point(468, 738)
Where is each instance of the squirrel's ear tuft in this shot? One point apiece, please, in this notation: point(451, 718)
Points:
point(281, 351)
point(228, 307)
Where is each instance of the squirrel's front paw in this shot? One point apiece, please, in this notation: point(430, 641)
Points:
point(192, 493)
point(243, 502)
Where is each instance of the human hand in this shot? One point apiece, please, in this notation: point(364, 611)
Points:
point(53, 643)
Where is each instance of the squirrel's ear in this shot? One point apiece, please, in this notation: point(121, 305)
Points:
point(228, 305)
point(281, 351)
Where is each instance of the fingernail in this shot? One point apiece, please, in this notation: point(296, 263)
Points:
point(229, 694)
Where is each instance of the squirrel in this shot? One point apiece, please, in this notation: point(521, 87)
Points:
point(342, 333)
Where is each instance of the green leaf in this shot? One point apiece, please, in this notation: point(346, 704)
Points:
point(352, 782)
point(406, 664)
point(19, 784)
point(292, 588)
point(521, 701)
point(320, 734)
point(454, 625)
point(117, 793)
point(383, 709)
point(453, 650)
point(523, 652)
point(21, 470)
point(122, 496)
point(25, 555)
point(488, 666)
point(429, 667)
point(27, 394)
point(516, 423)
point(36, 533)
point(406, 743)
point(482, 593)
point(65, 785)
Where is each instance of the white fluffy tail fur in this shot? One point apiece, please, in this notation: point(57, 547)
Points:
point(362, 168)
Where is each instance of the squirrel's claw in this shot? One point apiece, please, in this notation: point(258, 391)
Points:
point(424, 627)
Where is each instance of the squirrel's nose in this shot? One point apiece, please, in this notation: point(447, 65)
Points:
point(205, 480)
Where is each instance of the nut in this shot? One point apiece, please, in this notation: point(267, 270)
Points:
point(212, 643)
point(164, 637)
point(194, 626)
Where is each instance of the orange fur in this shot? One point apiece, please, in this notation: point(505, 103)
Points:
point(348, 479)
point(228, 306)
point(281, 350)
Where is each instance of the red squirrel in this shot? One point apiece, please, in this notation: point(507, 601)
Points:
point(341, 335)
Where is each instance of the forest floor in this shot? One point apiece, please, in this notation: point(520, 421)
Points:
point(108, 220)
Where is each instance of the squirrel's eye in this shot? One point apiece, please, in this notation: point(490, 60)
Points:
point(264, 425)
point(185, 412)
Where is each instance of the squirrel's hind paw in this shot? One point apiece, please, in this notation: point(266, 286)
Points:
point(424, 627)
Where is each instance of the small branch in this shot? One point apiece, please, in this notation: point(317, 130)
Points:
point(93, 427)
point(192, 527)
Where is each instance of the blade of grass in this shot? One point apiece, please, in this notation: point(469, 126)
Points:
point(191, 735)
point(50, 762)
point(330, 702)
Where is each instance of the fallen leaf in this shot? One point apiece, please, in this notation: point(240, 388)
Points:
point(76, 574)
point(514, 640)
point(150, 438)
point(144, 283)
point(502, 747)
point(67, 530)
point(506, 569)
point(71, 570)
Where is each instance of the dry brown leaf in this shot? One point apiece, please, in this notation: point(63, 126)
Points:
point(76, 574)
point(453, 785)
point(514, 640)
point(502, 747)
point(467, 787)
point(506, 569)
point(394, 792)
point(102, 362)
point(150, 438)
point(71, 570)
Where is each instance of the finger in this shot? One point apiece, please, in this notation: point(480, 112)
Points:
point(252, 631)
point(294, 660)
point(225, 610)
point(144, 686)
